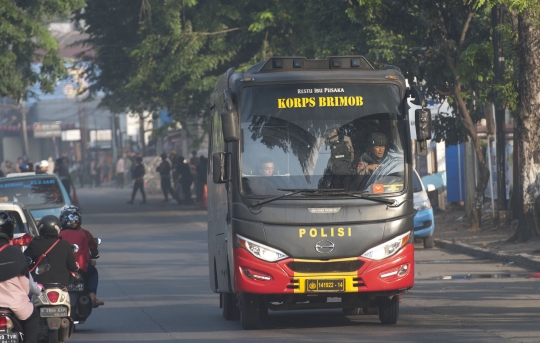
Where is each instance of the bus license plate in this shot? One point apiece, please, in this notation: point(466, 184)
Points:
point(325, 285)
point(59, 311)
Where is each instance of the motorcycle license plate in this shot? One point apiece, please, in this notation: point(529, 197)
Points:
point(325, 285)
point(76, 288)
point(58, 311)
point(9, 338)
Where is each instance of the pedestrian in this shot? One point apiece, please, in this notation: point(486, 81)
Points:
point(120, 170)
point(20, 162)
point(201, 177)
point(175, 160)
point(30, 166)
point(51, 165)
point(62, 170)
point(186, 179)
point(164, 170)
point(42, 167)
point(8, 167)
point(92, 167)
point(81, 168)
point(105, 172)
point(138, 176)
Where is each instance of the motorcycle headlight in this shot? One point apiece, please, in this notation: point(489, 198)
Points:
point(387, 249)
point(422, 205)
point(260, 251)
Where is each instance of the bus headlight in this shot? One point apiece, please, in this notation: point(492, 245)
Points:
point(260, 251)
point(388, 248)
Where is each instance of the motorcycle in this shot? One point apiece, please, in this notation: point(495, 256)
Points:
point(81, 304)
point(54, 306)
point(10, 328)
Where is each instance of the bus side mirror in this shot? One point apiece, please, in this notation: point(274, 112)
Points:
point(221, 167)
point(423, 130)
point(230, 127)
point(423, 124)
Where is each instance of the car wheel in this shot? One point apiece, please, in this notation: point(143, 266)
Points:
point(428, 242)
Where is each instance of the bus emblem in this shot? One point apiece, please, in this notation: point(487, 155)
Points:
point(324, 247)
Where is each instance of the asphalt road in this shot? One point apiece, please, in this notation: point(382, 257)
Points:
point(154, 281)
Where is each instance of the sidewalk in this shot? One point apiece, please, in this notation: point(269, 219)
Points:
point(452, 233)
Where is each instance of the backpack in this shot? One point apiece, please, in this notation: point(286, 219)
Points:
point(340, 156)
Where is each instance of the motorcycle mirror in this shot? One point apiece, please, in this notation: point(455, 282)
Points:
point(98, 240)
point(74, 248)
point(43, 268)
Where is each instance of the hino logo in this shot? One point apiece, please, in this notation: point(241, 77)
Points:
point(324, 209)
point(324, 247)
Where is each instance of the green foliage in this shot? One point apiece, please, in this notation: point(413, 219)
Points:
point(25, 39)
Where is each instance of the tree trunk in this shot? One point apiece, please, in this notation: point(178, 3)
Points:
point(141, 134)
point(483, 177)
point(529, 124)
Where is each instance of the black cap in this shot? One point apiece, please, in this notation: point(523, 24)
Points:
point(377, 139)
point(163, 155)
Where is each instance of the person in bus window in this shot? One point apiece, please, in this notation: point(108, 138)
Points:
point(266, 167)
point(370, 160)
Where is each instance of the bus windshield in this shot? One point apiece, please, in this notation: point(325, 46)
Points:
point(323, 136)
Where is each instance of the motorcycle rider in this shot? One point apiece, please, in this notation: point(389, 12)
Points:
point(14, 282)
point(70, 220)
point(59, 257)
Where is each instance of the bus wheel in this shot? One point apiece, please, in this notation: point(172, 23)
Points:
point(389, 310)
point(370, 310)
point(250, 313)
point(351, 311)
point(230, 308)
point(428, 242)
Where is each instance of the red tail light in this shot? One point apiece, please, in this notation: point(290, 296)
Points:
point(53, 296)
point(23, 240)
point(3, 323)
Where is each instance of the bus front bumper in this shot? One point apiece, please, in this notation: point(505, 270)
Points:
point(293, 276)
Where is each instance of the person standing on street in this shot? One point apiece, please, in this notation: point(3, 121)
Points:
point(201, 177)
point(138, 176)
point(120, 170)
point(62, 170)
point(186, 179)
point(164, 170)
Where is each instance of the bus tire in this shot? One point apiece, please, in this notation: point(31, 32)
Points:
point(389, 310)
point(250, 313)
point(351, 311)
point(428, 242)
point(370, 310)
point(230, 306)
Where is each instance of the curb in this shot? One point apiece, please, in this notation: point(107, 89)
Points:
point(522, 260)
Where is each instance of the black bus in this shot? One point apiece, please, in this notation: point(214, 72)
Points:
point(310, 201)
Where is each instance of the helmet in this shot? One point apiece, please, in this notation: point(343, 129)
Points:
point(49, 226)
point(70, 217)
point(7, 224)
point(377, 139)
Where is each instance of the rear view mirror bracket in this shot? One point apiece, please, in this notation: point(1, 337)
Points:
point(221, 167)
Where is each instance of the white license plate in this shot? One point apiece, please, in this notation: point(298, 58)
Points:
point(76, 288)
point(9, 338)
point(59, 311)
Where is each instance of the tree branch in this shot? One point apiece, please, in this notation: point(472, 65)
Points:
point(465, 29)
point(216, 33)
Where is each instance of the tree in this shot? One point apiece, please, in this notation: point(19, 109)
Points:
point(529, 123)
point(25, 40)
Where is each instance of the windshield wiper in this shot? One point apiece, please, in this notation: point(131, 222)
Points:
point(293, 191)
point(360, 195)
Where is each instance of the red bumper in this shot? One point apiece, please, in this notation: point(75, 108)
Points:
point(253, 275)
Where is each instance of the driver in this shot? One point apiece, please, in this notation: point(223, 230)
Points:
point(371, 160)
point(266, 167)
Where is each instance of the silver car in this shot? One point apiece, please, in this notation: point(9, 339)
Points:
point(26, 228)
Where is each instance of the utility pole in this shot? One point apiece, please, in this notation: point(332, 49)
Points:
point(24, 129)
point(497, 18)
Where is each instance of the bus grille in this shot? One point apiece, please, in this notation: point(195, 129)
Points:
point(325, 267)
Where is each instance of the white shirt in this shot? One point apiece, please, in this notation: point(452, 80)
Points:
point(120, 169)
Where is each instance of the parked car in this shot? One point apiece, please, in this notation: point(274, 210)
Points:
point(424, 222)
point(26, 228)
point(41, 194)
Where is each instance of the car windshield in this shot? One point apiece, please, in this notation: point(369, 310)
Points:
point(321, 137)
point(34, 193)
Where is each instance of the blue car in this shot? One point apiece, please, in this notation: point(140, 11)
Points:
point(41, 194)
point(424, 222)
